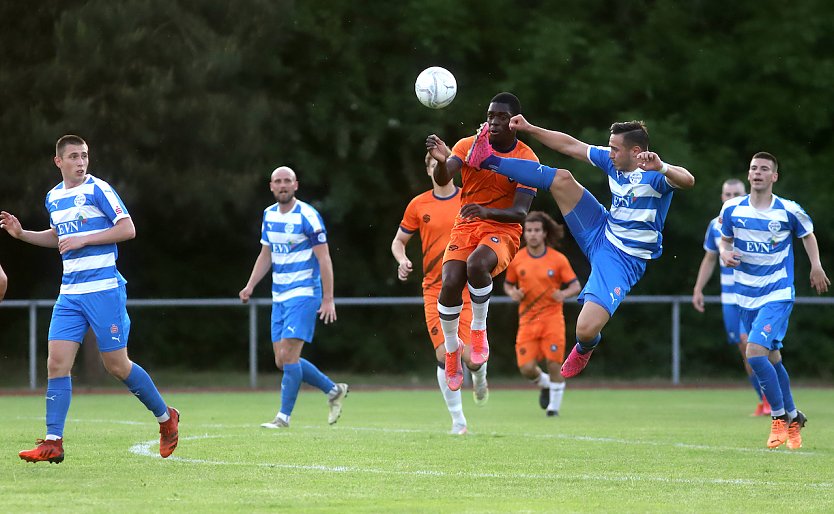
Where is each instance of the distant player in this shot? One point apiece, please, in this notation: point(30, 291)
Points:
point(294, 249)
point(432, 214)
point(757, 243)
point(485, 236)
point(730, 189)
point(87, 220)
point(618, 243)
point(540, 278)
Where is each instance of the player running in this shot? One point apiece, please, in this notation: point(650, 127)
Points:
point(486, 233)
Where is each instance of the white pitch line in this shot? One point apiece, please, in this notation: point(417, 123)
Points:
point(144, 449)
point(569, 437)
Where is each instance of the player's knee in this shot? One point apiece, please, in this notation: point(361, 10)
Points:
point(562, 177)
point(119, 370)
point(586, 331)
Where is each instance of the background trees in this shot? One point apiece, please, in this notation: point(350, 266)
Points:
point(188, 105)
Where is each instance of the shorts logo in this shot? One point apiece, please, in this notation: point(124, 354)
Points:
point(522, 351)
point(523, 272)
point(774, 226)
point(322, 237)
point(767, 328)
point(426, 218)
point(635, 177)
point(114, 329)
point(494, 239)
point(289, 228)
point(452, 248)
point(550, 273)
point(553, 348)
point(434, 331)
point(617, 291)
point(80, 200)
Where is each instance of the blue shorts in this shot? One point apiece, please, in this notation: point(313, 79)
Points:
point(767, 325)
point(732, 323)
point(613, 272)
point(104, 311)
point(295, 318)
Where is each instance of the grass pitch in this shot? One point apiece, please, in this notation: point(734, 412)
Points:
point(609, 451)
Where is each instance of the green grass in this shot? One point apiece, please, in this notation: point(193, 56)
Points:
point(610, 451)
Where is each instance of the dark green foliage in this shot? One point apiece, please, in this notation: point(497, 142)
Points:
point(188, 105)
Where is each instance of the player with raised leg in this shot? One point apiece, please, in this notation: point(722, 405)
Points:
point(294, 248)
point(485, 236)
point(618, 243)
point(432, 215)
point(87, 220)
point(757, 243)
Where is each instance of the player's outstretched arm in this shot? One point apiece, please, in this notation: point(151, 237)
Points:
point(327, 311)
point(704, 274)
point(559, 141)
point(262, 265)
point(819, 280)
point(404, 265)
point(4, 282)
point(45, 238)
point(678, 176)
point(446, 168)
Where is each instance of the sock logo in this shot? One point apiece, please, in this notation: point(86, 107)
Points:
point(52, 398)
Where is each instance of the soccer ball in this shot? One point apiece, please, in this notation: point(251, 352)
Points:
point(436, 87)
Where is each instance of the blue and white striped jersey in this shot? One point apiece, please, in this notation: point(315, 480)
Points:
point(79, 211)
point(764, 240)
point(292, 236)
point(639, 203)
point(711, 240)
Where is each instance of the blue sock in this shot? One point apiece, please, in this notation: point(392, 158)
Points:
point(587, 346)
point(755, 383)
point(785, 384)
point(290, 385)
point(313, 376)
point(141, 385)
point(769, 381)
point(529, 173)
point(58, 398)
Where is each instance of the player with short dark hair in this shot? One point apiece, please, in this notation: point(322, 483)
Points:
point(485, 236)
point(757, 243)
point(87, 220)
point(540, 279)
point(618, 242)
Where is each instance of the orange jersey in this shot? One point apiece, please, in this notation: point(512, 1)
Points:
point(485, 187)
point(539, 277)
point(433, 218)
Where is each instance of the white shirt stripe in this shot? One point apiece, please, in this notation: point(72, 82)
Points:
point(88, 263)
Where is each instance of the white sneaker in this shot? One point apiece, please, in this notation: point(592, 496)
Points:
point(278, 422)
point(480, 391)
point(458, 429)
point(335, 403)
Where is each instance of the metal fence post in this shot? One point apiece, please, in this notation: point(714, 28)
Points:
point(676, 341)
point(253, 344)
point(33, 344)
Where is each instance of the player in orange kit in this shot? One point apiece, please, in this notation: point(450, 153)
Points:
point(485, 236)
point(432, 214)
point(540, 279)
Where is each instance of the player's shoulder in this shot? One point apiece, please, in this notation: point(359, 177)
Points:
point(305, 208)
point(735, 202)
point(786, 204)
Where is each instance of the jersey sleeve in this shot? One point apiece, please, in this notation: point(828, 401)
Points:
point(725, 221)
point(314, 227)
point(411, 220)
point(709, 238)
point(566, 273)
point(264, 236)
point(108, 202)
point(600, 157)
point(801, 223)
point(461, 148)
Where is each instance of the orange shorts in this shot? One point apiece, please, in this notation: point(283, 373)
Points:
point(542, 339)
point(503, 238)
point(433, 317)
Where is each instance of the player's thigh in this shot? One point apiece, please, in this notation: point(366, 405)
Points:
point(298, 318)
point(106, 312)
point(553, 339)
point(68, 322)
point(566, 190)
point(732, 323)
point(503, 243)
point(586, 222)
point(613, 274)
point(527, 345)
